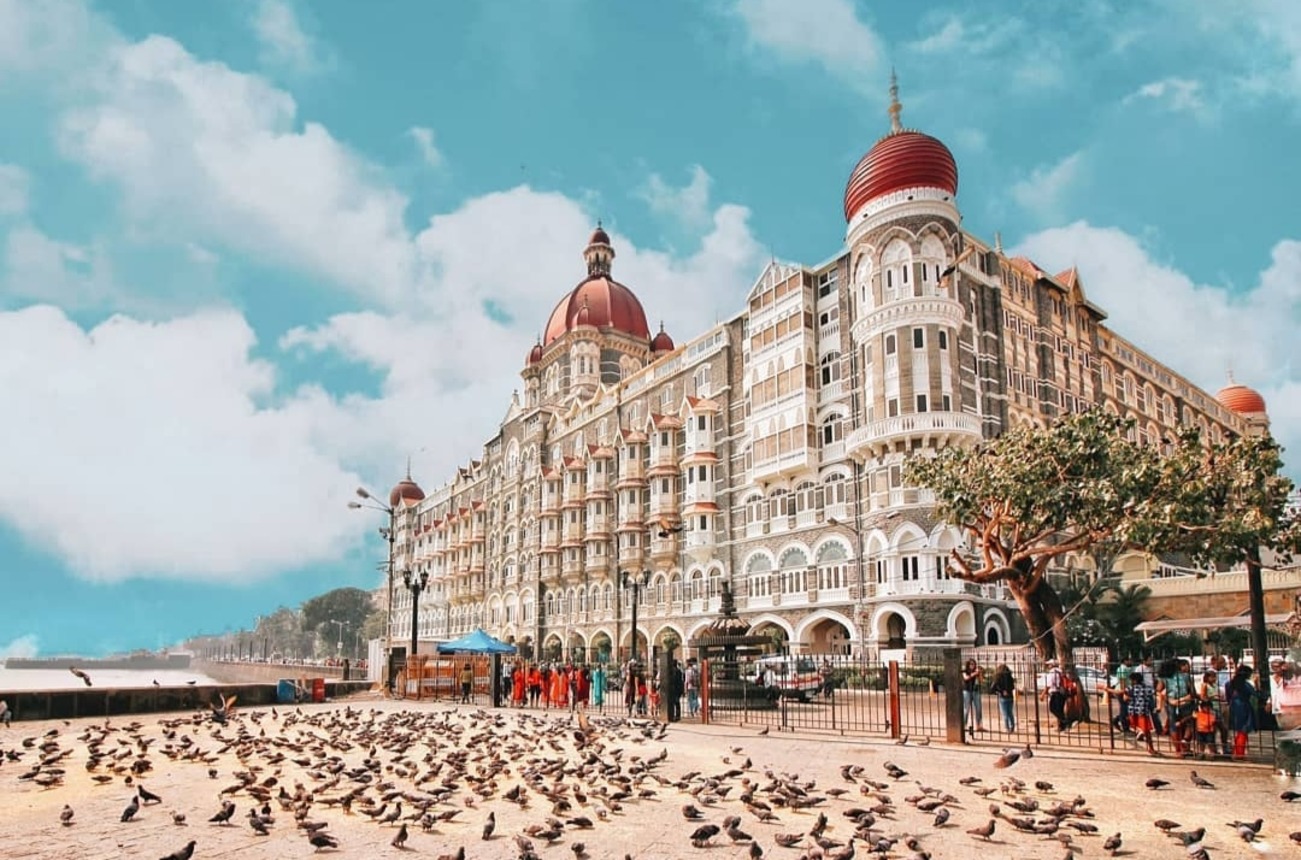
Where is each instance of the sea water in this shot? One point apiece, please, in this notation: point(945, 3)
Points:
point(62, 679)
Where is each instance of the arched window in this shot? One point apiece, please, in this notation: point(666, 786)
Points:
point(832, 429)
point(896, 261)
point(863, 283)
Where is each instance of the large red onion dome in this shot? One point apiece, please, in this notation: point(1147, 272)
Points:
point(535, 354)
point(1238, 398)
point(406, 490)
point(902, 159)
point(599, 300)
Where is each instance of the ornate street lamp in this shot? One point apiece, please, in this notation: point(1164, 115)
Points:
point(415, 585)
point(635, 582)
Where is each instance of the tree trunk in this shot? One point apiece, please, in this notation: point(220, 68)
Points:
point(1045, 618)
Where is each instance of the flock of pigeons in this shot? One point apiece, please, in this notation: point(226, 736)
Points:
point(443, 777)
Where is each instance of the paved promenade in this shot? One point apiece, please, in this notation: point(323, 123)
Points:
point(461, 764)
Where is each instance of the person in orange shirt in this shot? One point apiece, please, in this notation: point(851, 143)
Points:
point(1207, 724)
point(517, 686)
point(560, 688)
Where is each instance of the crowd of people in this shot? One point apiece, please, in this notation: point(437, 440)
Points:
point(572, 686)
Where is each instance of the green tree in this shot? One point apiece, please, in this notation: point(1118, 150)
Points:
point(1121, 611)
point(1222, 503)
point(348, 605)
point(1033, 495)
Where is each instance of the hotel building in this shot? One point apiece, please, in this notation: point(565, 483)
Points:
point(767, 453)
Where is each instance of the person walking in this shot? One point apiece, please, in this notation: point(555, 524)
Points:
point(972, 676)
point(598, 688)
point(1004, 689)
point(1241, 696)
point(467, 683)
point(691, 681)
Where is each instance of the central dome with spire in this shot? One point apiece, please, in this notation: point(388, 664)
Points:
point(902, 159)
point(599, 300)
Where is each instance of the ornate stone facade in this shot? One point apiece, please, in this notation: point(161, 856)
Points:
point(768, 452)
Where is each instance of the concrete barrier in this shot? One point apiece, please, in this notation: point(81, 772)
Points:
point(236, 672)
point(121, 701)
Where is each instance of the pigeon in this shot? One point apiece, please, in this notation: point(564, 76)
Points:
point(65, 817)
point(702, 834)
point(763, 731)
point(1200, 782)
point(788, 840)
point(1155, 783)
point(178, 818)
point(691, 813)
point(985, 831)
point(147, 796)
point(490, 825)
point(182, 853)
point(400, 840)
point(1007, 759)
point(1295, 836)
point(1290, 796)
point(1166, 825)
point(941, 816)
point(131, 808)
point(1253, 826)
point(322, 840)
point(224, 816)
point(80, 674)
point(1112, 845)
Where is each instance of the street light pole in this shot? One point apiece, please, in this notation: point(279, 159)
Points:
point(390, 535)
point(635, 582)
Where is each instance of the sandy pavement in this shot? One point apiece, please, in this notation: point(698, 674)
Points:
point(643, 827)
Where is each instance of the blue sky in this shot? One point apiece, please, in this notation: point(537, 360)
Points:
point(255, 253)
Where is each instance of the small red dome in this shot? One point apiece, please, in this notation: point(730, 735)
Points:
point(901, 159)
point(662, 342)
point(406, 490)
point(535, 354)
point(1238, 398)
point(599, 236)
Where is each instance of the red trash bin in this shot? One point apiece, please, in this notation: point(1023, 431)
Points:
point(318, 690)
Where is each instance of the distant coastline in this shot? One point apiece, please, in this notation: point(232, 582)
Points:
point(130, 662)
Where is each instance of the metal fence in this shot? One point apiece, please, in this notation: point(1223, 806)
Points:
point(921, 698)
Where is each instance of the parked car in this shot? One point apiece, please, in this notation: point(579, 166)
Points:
point(1091, 678)
point(791, 676)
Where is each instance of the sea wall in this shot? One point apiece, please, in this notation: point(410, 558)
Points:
point(120, 701)
point(236, 672)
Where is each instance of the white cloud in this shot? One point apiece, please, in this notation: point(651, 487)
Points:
point(212, 155)
point(161, 434)
point(687, 205)
point(57, 35)
point(283, 42)
point(185, 458)
point(37, 267)
point(973, 36)
point(826, 32)
point(1178, 95)
point(424, 139)
point(1204, 330)
point(23, 646)
point(1043, 192)
point(14, 188)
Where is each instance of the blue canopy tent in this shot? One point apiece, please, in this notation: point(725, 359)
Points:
point(476, 642)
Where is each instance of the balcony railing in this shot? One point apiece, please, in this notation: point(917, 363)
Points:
point(942, 428)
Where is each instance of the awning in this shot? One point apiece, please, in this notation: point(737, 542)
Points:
point(1153, 629)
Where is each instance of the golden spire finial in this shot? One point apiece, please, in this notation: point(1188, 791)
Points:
point(895, 107)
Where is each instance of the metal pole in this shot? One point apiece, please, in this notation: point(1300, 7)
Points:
point(388, 626)
point(636, 594)
point(415, 587)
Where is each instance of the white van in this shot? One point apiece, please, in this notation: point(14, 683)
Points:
point(792, 676)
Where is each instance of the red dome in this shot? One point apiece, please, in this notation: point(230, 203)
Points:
point(1238, 398)
point(662, 342)
point(901, 159)
point(599, 236)
point(535, 354)
point(407, 490)
point(600, 302)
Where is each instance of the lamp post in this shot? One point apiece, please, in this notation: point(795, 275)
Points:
point(338, 649)
point(635, 582)
point(415, 585)
point(389, 534)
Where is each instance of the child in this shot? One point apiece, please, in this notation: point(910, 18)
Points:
point(1207, 724)
point(1142, 704)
